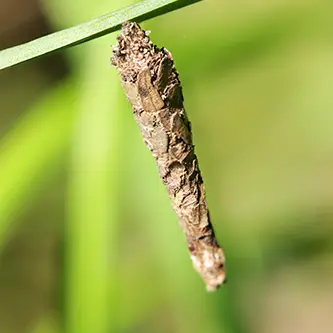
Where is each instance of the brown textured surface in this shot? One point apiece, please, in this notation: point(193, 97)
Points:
point(151, 84)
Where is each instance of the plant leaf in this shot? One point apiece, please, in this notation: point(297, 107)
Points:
point(89, 30)
point(28, 151)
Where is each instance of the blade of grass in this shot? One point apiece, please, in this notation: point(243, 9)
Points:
point(28, 152)
point(89, 30)
point(92, 201)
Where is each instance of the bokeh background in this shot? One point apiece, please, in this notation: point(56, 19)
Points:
point(88, 239)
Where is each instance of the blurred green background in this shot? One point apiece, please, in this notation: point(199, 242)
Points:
point(88, 239)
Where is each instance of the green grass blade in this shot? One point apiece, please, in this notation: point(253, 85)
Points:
point(89, 30)
point(92, 201)
point(28, 152)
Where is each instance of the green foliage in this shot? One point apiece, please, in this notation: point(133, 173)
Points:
point(36, 144)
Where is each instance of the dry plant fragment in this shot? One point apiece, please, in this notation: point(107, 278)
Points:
point(151, 84)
